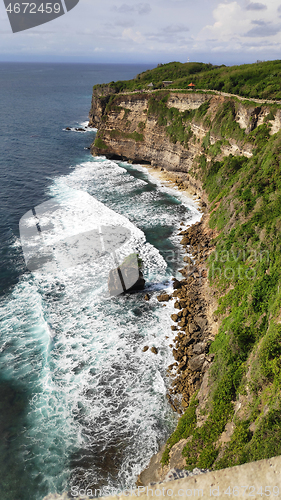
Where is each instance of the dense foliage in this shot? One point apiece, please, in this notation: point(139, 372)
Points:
point(245, 271)
point(258, 80)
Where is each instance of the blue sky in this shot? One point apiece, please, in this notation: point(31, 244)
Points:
point(155, 31)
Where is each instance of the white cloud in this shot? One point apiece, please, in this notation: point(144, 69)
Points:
point(157, 30)
point(234, 25)
point(135, 36)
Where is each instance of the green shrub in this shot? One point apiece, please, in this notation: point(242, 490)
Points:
point(100, 144)
point(186, 425)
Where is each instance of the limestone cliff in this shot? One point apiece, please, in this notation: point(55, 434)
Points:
point(228, 152)
point(129, 129)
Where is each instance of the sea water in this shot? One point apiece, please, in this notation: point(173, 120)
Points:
point(81, 404)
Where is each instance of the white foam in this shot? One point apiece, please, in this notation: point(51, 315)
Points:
point(163, 186)
point(83, 125)
point(93, 382)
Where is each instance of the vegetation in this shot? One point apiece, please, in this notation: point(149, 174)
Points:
point(136, 136)
point(258, 80)
point(245, 269)
point(185, 427)
point(130, 260)
point(99, 143)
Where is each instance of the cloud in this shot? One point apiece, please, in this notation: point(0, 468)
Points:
point(229, 21)
point(175, 28)
point(157, 30)
point(123, 9)
point(135, 36)
point(264, 30)
point(259, 22)
point(139, 8)
point(256, 6)
point(173, 34)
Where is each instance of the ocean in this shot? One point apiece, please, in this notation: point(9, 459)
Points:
point(81, 404)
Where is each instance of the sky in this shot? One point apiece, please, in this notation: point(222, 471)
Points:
point(155, 31)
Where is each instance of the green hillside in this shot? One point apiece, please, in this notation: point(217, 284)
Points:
point(258, 80)
point(245, 272)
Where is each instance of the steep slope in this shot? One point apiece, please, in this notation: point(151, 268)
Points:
point(229, 152)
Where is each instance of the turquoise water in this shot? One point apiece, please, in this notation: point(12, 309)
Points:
point(81, 404)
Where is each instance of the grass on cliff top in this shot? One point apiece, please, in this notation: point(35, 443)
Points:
point(258, 80)
point(245, 269)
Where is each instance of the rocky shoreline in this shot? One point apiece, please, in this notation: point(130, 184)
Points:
point(192, 324)
point(195, 325)
point(194, 329)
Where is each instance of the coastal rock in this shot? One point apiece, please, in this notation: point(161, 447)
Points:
point(182, 322)
point(199, 348)
point(192, 327)
point(154, 350)
point(145, 348)
point(188, 260)
point(147, 297)
point(163, 298)
point(176, 284)
point(196, 362)
point(126, 278)
point(201, 321)
point(152, 146)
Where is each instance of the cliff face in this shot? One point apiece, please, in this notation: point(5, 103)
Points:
point(129, 129)
point(129, 114)
point(229, 152)
point(153, 148)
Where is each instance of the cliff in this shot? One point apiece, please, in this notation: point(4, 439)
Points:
point(227, 325)
point(133, 127)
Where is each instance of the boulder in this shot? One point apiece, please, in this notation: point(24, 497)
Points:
point(199, 348)
point(176, 284)
point(154, 350)
point(202, 322)
point(164, 297)
point(196, 362)
point(183, 321)
point(145, 348)
point(126, 278)
point(192, 328)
